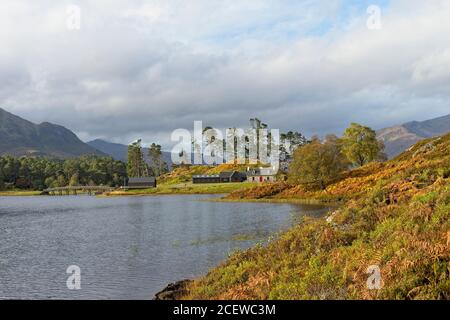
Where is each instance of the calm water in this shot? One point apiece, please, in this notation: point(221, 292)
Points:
point(127, 248)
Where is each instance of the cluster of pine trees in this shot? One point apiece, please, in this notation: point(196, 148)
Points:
point(40, 173)
point(138, 167)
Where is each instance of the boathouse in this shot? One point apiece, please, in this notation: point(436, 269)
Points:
point(141, 183)
point(215, 178)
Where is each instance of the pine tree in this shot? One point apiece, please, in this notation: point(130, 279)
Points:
point(158, 165)
point(136, 166)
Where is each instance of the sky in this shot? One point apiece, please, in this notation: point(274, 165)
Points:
point(141, 69)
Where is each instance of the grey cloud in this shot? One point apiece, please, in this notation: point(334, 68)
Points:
point(146, 69)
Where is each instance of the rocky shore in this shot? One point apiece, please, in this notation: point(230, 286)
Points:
point(173, 291)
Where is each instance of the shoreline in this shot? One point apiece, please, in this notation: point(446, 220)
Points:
point(184, 189)
point(22, 193)
point(281, 200)
point(181, 192)
point(162, 189)
point(187, 193)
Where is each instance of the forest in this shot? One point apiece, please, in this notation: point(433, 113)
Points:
point(38, 173)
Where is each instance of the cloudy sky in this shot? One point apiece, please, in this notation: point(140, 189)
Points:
point(140, 69)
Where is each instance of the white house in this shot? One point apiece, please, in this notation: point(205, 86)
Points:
point(261, 175)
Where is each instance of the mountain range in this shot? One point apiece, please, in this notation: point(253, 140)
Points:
point(399, 138)
point(19, 137)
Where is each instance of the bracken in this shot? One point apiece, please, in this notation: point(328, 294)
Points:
point(395, 215)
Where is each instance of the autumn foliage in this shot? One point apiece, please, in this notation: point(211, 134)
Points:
point(395, 215)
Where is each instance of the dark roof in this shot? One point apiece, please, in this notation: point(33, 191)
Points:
point(227, 174)
point(142, 180)
point(206, 176)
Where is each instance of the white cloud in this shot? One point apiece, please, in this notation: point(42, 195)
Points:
point(148, 67)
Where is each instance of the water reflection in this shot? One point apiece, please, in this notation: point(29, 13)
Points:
point(127, 248)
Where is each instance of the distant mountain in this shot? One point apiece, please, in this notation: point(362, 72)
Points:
point(430, 128)
point(399, 138)
point(116, 150)
point(19, 137)
point(120, 151)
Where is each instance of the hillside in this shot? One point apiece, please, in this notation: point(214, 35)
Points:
point(120, 151)
point(393, 215)
point(399, 138)
point(19, 137)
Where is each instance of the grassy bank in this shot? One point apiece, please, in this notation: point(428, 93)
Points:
point(185, 188)
point(17, 193)
point(395, 216)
